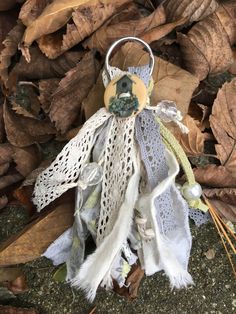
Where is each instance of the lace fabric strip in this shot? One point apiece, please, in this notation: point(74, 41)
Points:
point(63, 173)
point(168, 214)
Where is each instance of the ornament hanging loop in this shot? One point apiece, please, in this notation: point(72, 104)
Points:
point(125, 39)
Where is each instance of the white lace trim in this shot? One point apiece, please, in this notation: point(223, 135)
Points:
point(118, 168)
point(63, 173)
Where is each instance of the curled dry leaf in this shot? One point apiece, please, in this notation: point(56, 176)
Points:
point(223, 124)
point(3, 201)
point(159, 32)
point(106, 35)
point(41, 67)
point(46, 91)
point(194, 10)
point(31, 9)
point(72, 90)
point(214, 176)
point(10, 179)
point(53, 17)
point(87, 18)
point(170, 81)
point(206, 48)
point(27, 159)
point(6, 153)
point(224, 201)
point(22, 131)
point(193, 142)
point(11, 45)
point(14, 310)
point(19, 285)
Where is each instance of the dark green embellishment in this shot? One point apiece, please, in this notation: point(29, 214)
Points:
point(124, 103)
point(123, 107)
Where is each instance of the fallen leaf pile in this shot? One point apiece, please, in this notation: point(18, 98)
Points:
point(51, 62)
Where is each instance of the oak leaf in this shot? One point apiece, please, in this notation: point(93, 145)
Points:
point(22, 131)
point(106, 35)
point(31, 242)
point(194, 10)
point(87, 18)
point(223, 124)
point(72, 90)
point(206, 48)
point(224, 201)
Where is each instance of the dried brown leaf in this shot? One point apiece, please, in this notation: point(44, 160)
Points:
point(72, 90)
point(133, 282)
point(215, 176)
point(95, 99)
point(206, 48)
point(22, 131)
point(53, 17)
point(9, 179)
point(7, 5)
point(194, 10)
point(6, 309)
point(3, 201)
point(27, 159)
point(227, 16)
point(2, 130)
point(106, 35)
point(46, 90)
point(7, 22)
point(87, 18)
point(25, 101)
point(4, 167)
point(32, 9)
point(223, 124)
point(10, 274)
point(224, 201)
point(11, 45)
point(31, 178)
point(41, 67)
point(159, 32)
point(170, 81)
point(19, 285)
point(193, 142)
point(6, 153)
point(31, 242)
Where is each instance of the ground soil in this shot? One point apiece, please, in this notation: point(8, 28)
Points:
point(214, 290)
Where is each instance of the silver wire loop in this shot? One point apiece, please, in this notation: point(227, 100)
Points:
point(124, 39)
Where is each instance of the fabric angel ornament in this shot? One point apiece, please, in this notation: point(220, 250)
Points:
point(123, 163)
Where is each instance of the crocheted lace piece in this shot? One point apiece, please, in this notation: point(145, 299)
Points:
point(153, 155)
point(118, 168)
point(142, 72)
point(198, 216)
point(63, 173)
